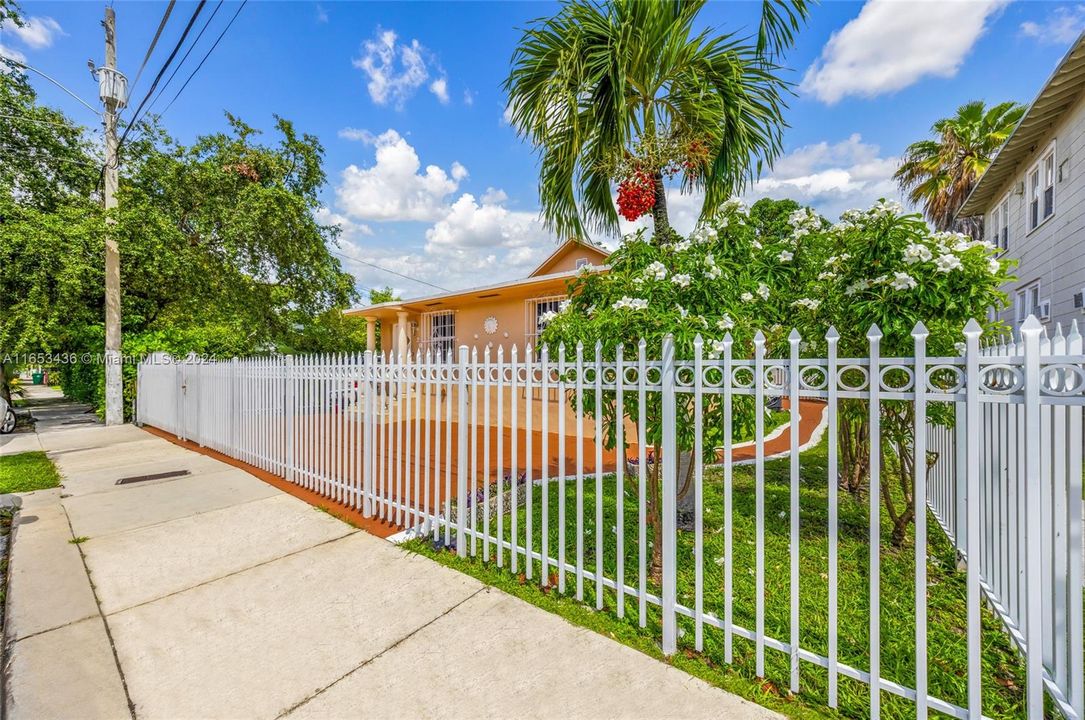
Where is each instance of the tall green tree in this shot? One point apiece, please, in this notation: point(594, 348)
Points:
point(939, 173)
point(631, 91)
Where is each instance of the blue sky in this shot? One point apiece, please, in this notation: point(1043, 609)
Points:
point(425, 176)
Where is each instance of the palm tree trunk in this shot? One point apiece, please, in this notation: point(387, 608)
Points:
point(660, 220)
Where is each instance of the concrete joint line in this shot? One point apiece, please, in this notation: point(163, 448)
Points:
point(105, 622)
point(49, 630)
point(393, 646)
point(231, 574)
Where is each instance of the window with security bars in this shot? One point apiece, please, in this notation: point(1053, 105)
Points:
point(538, 310)
point(439, 333)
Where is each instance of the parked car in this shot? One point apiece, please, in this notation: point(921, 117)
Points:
point(7, 417)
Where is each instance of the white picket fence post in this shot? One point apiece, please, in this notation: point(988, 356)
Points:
point(669, 490)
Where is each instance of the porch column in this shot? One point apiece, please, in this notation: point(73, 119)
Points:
point(370, 334)
point(401, 339)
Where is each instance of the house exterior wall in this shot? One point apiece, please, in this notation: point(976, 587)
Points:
point(513, 325)
point(1053, 253)
point(568, 259)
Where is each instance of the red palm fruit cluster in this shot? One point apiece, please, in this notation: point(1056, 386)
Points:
point(636, 195)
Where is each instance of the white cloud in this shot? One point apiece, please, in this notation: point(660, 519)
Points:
point(36, 33)
point(1061, 27)
point(321, 14)
point(364, 136)
point(11, 53)
point(468, 241)
point(831, 178)
point(396, 70)
point(892, 45)
point(468, 97)
point(439, 88)
point(393, 188)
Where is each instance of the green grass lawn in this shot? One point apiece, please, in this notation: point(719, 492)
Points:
point(27, 471)
point(1003, 674)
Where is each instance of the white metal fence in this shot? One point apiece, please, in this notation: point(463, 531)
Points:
point(472, 450)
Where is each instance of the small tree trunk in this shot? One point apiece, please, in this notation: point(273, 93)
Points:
point(660, 219)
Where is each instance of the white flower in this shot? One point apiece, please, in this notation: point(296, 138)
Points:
point(563, 305)
point(756, 244)
point(735, 205)
point(680, 280)
point(713, 272)
point(725, 322)
point(827, 275)
point(682, 311)
point(631, 304)
point(993, 266)
point(656, 270)
point(587, 269)
point(785, 256)
point(547, 316)
point(960, 348)
point(746, 297)
point(682, 245)
point(916, 252)
point(808, 303)
point(704, 233)
point(947, 262)
point(857, 286)
point(880, 280)
point(903, 281)
point(763, 291)
point(716, 349)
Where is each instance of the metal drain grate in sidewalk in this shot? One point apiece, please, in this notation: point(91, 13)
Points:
point(155, 476)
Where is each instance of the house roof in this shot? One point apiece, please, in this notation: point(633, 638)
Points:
point(1060, 91)
point(561, 251)
point(526, 287)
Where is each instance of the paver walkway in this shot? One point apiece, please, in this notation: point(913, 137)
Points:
point(216, 595)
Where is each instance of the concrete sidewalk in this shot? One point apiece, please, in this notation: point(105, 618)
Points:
point(216, 595)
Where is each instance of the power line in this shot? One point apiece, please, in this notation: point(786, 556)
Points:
point(161, 72)
point(154, 42)
point(55, 82)
point(393, 272)
point(184, 58)
point(25, 118)
point(206, 55)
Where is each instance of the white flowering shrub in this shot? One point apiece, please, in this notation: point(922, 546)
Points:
point(774, 267)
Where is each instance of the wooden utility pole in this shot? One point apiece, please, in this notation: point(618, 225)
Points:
point(114, 389)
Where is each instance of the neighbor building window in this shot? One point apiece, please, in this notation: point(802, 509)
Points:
point(439, 333)
point(1003, 240)
point(1041, 189)
point(539, 311)
point(1026, 302)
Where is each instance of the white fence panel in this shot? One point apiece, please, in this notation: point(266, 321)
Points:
point(455, 446)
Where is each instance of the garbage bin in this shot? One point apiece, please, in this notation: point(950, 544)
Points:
point(37, 377)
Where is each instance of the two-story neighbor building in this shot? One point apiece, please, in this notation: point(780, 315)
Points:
point(508, 313)
point(1032, 199)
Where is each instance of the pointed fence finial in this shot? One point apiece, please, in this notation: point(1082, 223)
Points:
point(727, 339)
point(759, 338)
point(1031, 327)
point(831, 334)
point(698, 341)
point(973, 328)
point(874, 333)
point(794, 336)
point(920, 330)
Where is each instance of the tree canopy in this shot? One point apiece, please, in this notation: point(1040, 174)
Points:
point(220, 249)
point(632, 92)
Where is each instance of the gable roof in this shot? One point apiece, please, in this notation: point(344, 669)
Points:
point(1058, 94)
point(562, 251)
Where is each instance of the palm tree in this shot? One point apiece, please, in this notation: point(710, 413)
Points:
point(628, 91)
point(940, 173)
